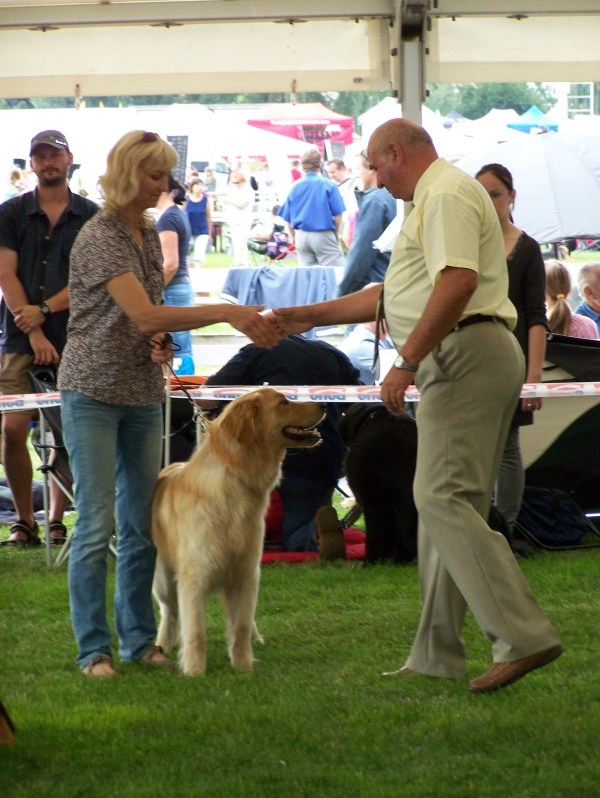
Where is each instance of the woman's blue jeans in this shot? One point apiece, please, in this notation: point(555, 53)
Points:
point(181, 295)
point(114, 453)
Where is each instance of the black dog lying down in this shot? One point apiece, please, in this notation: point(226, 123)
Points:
point(380, 469)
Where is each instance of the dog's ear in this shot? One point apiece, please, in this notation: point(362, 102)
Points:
point(240, 422)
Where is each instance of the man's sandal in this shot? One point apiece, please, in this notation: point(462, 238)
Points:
point(23, 535)
point(58, 533)
point(99, 666)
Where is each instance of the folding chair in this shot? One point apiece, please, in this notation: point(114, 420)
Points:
point(48, 440)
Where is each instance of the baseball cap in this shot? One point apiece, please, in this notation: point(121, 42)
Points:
point(52, 137)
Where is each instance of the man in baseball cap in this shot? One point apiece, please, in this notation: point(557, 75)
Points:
point(37, 231)
point(52, 137)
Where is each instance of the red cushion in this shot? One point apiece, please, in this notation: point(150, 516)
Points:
point(353, 538)
point(274, 519)
point(355, 550)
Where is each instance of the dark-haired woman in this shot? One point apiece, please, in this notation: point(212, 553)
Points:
point(526, 290)
point(174, 232)
point(199, 212)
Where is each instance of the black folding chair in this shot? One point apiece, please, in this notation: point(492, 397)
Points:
point(48, 442)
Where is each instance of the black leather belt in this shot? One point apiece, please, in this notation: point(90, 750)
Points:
point(477, 318)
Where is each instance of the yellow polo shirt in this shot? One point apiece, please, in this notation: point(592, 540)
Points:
point(452, 223)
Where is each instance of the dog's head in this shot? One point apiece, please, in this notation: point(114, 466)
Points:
point(267, 419)
point(355, 416)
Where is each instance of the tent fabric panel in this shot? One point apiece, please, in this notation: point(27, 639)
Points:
point(326, 55)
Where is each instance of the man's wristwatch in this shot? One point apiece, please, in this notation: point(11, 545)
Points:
point(45, 309)
point(401, 363)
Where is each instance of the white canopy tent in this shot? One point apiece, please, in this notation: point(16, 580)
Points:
point(89, 47)
point(92, 131)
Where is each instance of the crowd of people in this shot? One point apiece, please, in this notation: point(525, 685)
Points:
point(103, 295)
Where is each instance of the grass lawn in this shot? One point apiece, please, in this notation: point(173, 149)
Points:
point(316, 718)
point(585, 257)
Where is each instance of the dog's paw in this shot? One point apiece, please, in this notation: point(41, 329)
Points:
point(191, 666)
point(192, 671)
point(241, 659)
point(245, 666)
point(256, 636)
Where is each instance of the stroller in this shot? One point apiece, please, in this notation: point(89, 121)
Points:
point(275, 248)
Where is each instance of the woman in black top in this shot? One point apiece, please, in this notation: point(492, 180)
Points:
point(526, 290)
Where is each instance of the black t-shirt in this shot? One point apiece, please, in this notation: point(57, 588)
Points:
point(298, 361)
point(43, 261)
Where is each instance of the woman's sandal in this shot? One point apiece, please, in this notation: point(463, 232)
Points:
point(23, 535)
point(58, 533)
point(100, 666)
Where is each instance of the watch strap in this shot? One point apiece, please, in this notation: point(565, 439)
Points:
point(401, 363)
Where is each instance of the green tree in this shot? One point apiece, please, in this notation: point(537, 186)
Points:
point(474, 100)
point(349, 103)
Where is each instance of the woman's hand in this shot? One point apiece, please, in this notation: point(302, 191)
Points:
point(531, 403)
point(262, 329)
point(161, 350)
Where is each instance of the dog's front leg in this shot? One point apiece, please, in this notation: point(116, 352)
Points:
point(192, 612)
point(240, 605)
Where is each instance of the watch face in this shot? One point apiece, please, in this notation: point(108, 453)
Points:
point(398, 362)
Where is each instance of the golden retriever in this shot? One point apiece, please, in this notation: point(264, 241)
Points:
point(208, 522)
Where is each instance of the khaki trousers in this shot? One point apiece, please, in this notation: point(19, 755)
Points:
point(469, 388)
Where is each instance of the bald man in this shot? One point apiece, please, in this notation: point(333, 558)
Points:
point(447, 310)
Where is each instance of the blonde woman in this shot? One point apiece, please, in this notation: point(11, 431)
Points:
point(561, 318)
point(111, 384)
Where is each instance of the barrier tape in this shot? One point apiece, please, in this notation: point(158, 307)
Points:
point(311, 393)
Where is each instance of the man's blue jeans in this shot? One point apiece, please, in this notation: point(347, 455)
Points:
point(114, 453)
point(301, 498)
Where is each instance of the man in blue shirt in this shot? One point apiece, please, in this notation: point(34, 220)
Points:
point(37, 231)
point(313, 210)
point(588, 284)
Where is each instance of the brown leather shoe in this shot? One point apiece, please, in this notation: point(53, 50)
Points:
point(501, 674)
point(329, 534)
